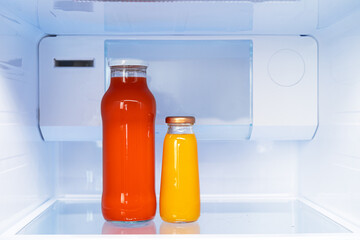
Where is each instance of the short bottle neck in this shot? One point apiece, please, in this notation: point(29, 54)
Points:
point(180, 129)
point(128, 75)
point(128, 81)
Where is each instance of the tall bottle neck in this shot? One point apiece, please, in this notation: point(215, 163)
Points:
point(180, 129)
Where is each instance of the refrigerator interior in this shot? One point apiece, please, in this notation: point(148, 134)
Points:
point(270, 186)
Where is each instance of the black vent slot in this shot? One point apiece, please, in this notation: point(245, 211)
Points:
point(73, 63)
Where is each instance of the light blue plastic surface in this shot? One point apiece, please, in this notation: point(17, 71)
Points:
point(208, 79)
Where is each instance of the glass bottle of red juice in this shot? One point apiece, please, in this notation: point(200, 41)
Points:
point(128, 111)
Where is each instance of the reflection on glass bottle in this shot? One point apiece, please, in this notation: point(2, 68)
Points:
point(180, 228)
point(146, 227)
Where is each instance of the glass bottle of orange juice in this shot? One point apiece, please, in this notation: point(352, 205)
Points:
point(180, 190)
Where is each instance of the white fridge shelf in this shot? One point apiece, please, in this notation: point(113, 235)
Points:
point(231, 217)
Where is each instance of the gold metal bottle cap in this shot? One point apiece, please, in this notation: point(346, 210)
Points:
point(180, 119)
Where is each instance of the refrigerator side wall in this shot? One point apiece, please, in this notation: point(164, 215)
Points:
point(329, 166)
point(27, 167)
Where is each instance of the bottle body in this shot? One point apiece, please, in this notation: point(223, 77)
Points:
point(128, 113)
point(180, 191)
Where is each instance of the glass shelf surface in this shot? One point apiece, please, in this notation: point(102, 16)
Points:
point(230, 217)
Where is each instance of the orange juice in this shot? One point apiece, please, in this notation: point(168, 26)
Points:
point(180, 191)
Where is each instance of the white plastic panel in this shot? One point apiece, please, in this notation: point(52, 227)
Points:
point(70, 96)
point(183, 70)
point(285, 99)
point(27, 166)
point(332, 11)
point(245, 16)
point(330, 164)
point(246, 168)
point(209, 79)
point(177, 17)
